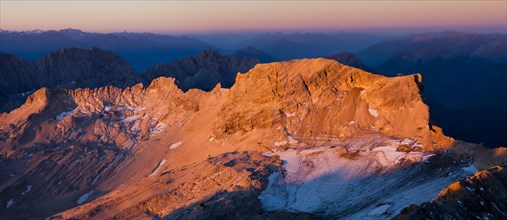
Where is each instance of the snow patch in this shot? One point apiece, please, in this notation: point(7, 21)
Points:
point(379, 210)
point(292, 140)
point(63, 114)
point(96, 179)
point(159, 128)
point(427, 157)
point(407, 142)
point(290, 115)
point(175, 145)
point(135, 127)
point(471, 169)
point(279, 143)
point(83, 198)
point(28, 189)
point(9, 203)
point(160, 164)
point(373, 112)
point(130, 118)
point(388, 155)
point(338, 180)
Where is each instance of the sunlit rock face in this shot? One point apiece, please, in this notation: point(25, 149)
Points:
point(315, 100)
point(298, 139)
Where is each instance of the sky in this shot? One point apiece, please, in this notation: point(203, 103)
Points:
point(250, 16)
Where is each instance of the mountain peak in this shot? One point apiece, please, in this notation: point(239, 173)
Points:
point(308, 87)
point(208, 55)
point(70, 31)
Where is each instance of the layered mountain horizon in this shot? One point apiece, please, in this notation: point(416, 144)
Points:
point(477, 59)
point(273, 127)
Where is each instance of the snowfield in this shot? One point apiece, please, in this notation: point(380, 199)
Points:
point(367, 183)
point(175, 145)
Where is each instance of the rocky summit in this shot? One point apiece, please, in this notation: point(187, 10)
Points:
point(309, 138)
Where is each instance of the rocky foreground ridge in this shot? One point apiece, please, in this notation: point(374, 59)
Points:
point(482, 196)
point(72, 68)
point(160, 152)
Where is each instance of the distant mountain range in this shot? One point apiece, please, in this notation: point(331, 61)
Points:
point(208, 68)
point(349, 59)
point(306, 45)
point(141, 50)
point(91, 68)
point(464, 73)
point(66, 68)
point(84, 136)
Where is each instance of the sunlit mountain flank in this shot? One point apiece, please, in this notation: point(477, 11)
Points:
point(253, 110)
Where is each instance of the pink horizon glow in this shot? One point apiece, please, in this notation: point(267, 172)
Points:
point(245, 16)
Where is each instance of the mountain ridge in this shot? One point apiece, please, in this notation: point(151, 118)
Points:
point(83, 152)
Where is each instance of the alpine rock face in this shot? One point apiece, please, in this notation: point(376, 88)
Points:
point(73, 68)
point(309, 138)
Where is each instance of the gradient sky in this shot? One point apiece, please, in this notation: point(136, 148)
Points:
point(239, 16)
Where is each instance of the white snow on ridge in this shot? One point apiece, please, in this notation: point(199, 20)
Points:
point(175, 145)
point(160, 164)
point(83, 198)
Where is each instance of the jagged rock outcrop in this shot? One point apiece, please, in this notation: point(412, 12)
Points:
point(64, 69)
point(482, 196)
